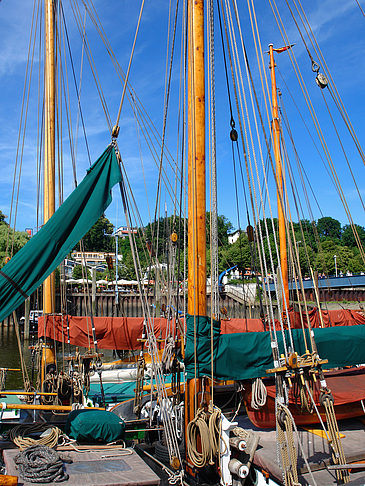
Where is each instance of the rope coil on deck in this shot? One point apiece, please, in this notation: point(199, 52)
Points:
point(41, 464)
point(20, 435)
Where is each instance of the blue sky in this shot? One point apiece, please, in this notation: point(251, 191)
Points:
point(337, 25)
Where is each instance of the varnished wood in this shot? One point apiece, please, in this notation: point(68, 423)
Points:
point(48, 394)
point(6, 480)
point(196, 162)
point(197, 305)
point(279, 178)
point(49, 142)
point(56, 408)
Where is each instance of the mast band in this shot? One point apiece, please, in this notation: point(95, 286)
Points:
point(14, 284)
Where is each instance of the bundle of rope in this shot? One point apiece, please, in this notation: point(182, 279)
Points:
point(41, 464)
point(259, 394)
point(289, 456)
point(338, 455)
point(20, 435)
point(206, 426)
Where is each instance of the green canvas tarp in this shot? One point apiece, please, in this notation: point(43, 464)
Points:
point(241, 356)
point(73, 219)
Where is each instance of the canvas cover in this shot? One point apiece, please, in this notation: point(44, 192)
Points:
point(241, 356)
point(125, 332)
point(94, 426)
point(111, 332)
point(73, 219)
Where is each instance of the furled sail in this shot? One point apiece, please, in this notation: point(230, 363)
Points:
point(242, 356)
point(73, 219)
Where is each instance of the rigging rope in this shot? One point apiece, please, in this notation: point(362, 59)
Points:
point(259, 394)
point(204, 429)
point(23, 435)
point(284, 427)
point(41, 464)
point(128, 70)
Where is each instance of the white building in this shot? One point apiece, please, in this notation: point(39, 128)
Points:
point(233, 237)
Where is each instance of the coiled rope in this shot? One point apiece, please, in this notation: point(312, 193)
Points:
point(289, 456)
point(20, 435)
point(338, 455)
point(207, 427)
point(41, 464)
point(259, 394)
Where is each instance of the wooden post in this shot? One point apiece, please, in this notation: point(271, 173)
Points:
point(279, 178)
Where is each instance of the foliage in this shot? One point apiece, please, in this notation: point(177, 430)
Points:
point(348, 237)
point(79, 272)
point(96, 238)
point(329, 227)
point(316, 243)
point(17, 240)
point(224, 228)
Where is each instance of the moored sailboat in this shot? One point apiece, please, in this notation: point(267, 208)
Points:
point(294, 354)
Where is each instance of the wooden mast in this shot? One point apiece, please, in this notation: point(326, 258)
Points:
point(49, 142)
point(279, 179)
point(49, 161)
point(196, 184)
point(197, 294)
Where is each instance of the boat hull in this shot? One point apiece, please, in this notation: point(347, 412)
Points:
point(348, 390)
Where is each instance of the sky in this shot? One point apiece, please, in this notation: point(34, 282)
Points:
point(338, 26)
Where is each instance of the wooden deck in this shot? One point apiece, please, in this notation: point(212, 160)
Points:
point(316, 451)
point(96, 468)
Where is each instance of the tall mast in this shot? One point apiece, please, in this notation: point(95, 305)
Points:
point(197, 294)
point(49, 141)
point(279, 178)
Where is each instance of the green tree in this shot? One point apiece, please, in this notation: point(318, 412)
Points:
point(348, 237)
point(2, 217)
point(79, 272)
point(328, 227)
point(16, 241)
point(96, 239)
point(224, 228)
point(236, 254)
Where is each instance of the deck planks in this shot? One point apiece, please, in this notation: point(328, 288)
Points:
point(92, 469)
point(316, 450)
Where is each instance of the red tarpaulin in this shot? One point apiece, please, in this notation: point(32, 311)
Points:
point(124, 332)
point(111, 332)
point(342, 317)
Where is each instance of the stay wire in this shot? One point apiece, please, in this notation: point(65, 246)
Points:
point(341, 106)
point(324, 99)
point(76, 90)
point(264, 221)
point(225, 60)
point(165, 115)
point(129, 65)
point(251, 186)
point(268, 302)
point(21, 132)
point(92, 65)
point(330, 162)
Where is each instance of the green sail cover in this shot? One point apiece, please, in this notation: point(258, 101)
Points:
point(242, 356)
point(73, 219)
